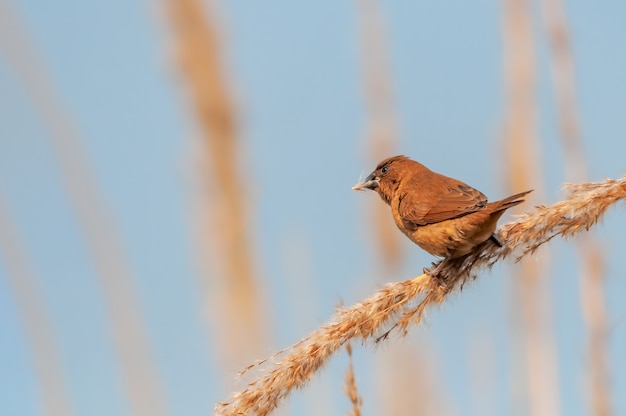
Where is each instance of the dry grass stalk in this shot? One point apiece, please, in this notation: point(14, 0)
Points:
point(140, 378)
point(591, 258)
point(240, 321)
point(409, 382)
point(35, 319)
point(595, 316)
point(524, 171)
point(562, 66)
point(350, 388)
point(381, 131)
point(395, 306)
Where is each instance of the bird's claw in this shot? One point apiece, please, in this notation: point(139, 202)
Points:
point(435, 272)
point(429, 270)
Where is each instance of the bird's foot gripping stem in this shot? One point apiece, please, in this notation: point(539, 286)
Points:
point(435, 272)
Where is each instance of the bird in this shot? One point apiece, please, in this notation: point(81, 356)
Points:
point(444, 216)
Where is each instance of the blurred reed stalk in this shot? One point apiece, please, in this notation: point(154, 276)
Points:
point(350, 388)
point(482, 372)
point(400, 305)
point(380, 130)
point(400, 386)
point(524, 172)
point(34, 315)
point(590, 254)
point(300, 277)
point(141, 380)
point(237, 307)
point(411, 385)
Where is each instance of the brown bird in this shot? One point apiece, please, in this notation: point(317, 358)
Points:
point(442, 215)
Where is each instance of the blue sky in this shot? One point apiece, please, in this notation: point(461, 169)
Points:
point(295, 73)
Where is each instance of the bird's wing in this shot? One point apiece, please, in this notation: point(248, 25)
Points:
point(452, 201)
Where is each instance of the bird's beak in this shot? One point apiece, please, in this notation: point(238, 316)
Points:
point(371, 182)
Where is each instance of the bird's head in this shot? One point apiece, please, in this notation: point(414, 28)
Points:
point(386, 177)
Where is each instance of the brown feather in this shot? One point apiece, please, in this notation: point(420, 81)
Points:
point(451, 200)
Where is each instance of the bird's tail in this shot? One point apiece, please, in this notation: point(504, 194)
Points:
point(511, 201)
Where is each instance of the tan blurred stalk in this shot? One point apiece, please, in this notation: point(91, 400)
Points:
point(523, 161)
point(300, 277)
point(141, 380)
point(482, 373)
point(34, 317)
point(350, 388)
point(411, 385)
point(563, 79)
point(237, 308)
point(595, 315)
point(381, 128)
point(590, 253)
point(402, 370)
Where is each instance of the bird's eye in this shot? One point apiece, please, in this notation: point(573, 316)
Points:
point(384, 169)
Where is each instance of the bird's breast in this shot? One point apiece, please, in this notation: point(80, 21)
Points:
point(452, 238)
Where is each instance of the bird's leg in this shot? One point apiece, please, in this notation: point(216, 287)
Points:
point(435, 272)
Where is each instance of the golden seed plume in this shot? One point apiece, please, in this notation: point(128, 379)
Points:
point(399, 305)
